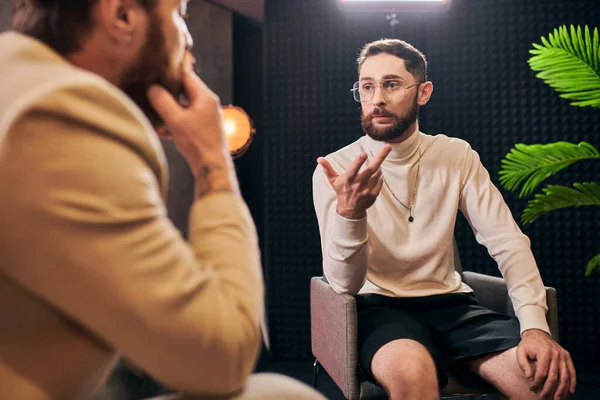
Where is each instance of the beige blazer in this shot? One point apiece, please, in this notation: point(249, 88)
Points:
point(90, 265)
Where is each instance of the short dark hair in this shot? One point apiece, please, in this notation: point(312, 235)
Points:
point(415, 61)
point(61, 24)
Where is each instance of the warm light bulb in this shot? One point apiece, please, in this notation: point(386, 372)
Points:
point(229, 128)
point(394, 6)
point(238, 129)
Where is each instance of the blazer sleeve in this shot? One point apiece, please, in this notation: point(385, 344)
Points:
point(89, 234)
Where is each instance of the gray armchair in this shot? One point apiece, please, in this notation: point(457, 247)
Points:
point(334, 332)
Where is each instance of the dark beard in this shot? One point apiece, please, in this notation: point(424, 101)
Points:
point(152, 68)
point(393, 132)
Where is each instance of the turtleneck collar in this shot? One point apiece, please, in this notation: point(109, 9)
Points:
point(401, 152)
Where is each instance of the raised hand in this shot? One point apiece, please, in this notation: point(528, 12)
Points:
point(356, 190)
point(197, 130)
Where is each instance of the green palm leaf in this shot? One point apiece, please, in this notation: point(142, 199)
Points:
point(592, 265)
point(531, 164)
point(555, 197)
point(569, 61)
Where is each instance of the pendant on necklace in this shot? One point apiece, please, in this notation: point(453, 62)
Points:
point(410, 219)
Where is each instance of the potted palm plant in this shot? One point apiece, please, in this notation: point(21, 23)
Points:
point(569, 61)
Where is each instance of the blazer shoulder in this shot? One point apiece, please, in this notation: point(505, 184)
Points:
point(85, 99)
point(79, 96)
point(88, 105)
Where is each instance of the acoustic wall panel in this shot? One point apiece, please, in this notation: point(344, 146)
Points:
point(484, 93)
point(5, 14)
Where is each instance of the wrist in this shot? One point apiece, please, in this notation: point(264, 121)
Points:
point(212, 178)
point(351, 213)
point(534, 332)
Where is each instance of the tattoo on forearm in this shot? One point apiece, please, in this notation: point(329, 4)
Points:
point(206, 169)
point(204, 183)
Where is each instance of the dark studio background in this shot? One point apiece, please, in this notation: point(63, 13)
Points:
point(292, 73)
point(484, 92)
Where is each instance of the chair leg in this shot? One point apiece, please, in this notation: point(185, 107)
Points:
point(316, 366)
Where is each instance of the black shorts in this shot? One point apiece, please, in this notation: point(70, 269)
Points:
point(453, 327)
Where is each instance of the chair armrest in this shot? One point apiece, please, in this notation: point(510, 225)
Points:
point(333, 324)
point(491, 292)
point(552, 314)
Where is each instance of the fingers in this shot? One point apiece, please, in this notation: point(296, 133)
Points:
point(378, 174)
point(194, 86)
point(552, 379)
point(553, 371)
point(352, 171)
point(164, 104)
point(572, 374)
point(170, 108)
point(523, 362)
point(563, 384)
point(542, 369)
point(380, 157)
point(374, 179)
point(374, 184)
point(379, 183)
point(375, 163)
point(328, 169)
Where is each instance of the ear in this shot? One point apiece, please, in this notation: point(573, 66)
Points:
point(425, 91)
point(122, 20)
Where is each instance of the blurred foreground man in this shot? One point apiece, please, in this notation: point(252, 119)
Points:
point(90, 265)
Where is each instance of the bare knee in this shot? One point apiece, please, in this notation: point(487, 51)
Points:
point(406, 370)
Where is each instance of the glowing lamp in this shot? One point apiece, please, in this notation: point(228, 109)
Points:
point(239, 130)
point(397, 6)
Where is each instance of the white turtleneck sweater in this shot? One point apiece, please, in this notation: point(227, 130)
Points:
point(386, 254)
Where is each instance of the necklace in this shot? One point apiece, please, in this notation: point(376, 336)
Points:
point(414, 192)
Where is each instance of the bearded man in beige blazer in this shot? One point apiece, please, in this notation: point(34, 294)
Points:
point(91, 268)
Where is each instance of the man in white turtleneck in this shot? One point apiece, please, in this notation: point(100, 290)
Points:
point(386, 206)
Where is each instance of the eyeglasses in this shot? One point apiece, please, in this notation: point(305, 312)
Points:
point(364, 91)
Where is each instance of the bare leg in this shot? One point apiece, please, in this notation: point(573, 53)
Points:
point(406, 370)
point(503, 372)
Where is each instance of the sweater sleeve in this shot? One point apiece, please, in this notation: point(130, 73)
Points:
point(90, 235)
point(344, 242)
point(494, 226)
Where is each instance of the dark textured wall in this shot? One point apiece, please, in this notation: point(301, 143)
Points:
point(248, 94)
point(484, 93)
point(5, 11)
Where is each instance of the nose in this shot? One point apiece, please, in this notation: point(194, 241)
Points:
point(378, 98)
